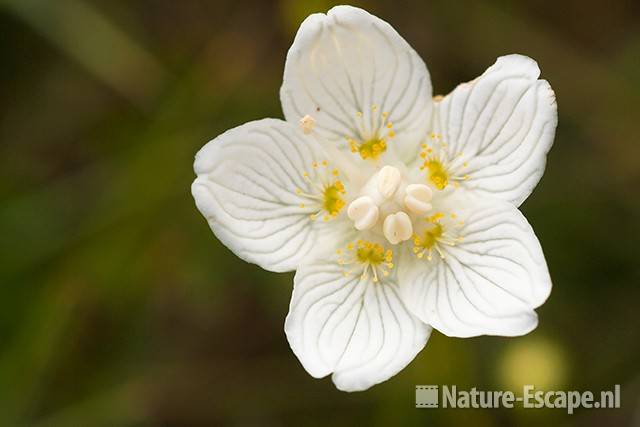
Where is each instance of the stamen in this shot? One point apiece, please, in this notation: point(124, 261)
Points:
point(328, 195)
point(371, 144)
point(438, 164)
point(367, 256)
point(440, 231)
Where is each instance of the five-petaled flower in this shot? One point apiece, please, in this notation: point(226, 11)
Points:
point(397, 209)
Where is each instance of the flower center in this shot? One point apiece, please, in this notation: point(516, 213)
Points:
point(388, 205)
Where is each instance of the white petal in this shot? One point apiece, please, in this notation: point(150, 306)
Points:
point(346, 62)
point(503, 123)
point(359, 330)
point(489, 283)
point(246, 189)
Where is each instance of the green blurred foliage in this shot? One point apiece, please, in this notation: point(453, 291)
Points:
point(118, 307)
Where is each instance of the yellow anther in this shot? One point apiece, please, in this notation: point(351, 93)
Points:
point(436, 234)
point(437, 174)
point(369, 259)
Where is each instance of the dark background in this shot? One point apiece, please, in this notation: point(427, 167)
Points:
point(118, 307)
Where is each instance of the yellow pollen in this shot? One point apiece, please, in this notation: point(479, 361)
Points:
point(436, 235)
point(370, 149)
point(437, 174)
point(328, 198)
point(430, 237)
point(372, 143)
point(367, 257)
point(371, 253)
point(332, 198)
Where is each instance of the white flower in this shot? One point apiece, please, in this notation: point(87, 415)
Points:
point(398, 210)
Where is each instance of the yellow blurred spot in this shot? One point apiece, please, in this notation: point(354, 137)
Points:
point(533, 360)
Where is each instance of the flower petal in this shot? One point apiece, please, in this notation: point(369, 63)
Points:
point(350, 61)
point(489, 283)
point(503, 123)
point(246, 189)
point(357, 329)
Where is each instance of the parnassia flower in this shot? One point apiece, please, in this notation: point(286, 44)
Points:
point(397, 209)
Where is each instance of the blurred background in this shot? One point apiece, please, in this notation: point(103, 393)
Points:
point(118, 307)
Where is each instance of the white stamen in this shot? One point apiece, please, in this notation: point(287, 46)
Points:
point(397, 227)
point(307, 124)
point(417, 198)
point(388, 181)
point(364, 212)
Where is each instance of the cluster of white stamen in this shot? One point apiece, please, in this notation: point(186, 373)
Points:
point(387, 204)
